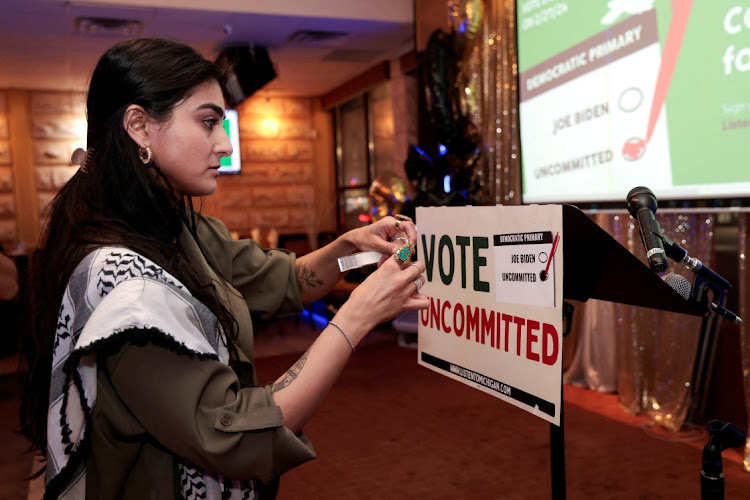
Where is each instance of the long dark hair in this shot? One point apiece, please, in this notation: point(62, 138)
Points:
point(116, 200)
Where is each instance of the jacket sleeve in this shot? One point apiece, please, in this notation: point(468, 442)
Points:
point(196, 409)
point(266, 278)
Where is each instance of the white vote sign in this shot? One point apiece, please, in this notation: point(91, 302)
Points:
point(494, 278)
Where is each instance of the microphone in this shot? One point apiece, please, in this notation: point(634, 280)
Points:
point(681, 285)
point(641, 204)
point(704, 275)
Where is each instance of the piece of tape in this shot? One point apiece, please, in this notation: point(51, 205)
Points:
point(360, 259)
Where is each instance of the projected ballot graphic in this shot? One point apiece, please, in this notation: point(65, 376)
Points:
point(619, 93)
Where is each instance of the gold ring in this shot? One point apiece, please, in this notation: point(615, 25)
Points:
point(398, 224)
point(402, 254)
point(403, 217)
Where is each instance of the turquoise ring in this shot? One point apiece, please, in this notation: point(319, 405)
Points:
point(402, 254)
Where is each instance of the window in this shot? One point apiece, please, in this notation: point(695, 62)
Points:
point(364, 150)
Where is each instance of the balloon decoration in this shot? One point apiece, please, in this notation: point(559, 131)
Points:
point(387, 195)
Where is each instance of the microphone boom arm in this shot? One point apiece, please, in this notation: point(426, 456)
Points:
point(705, 279)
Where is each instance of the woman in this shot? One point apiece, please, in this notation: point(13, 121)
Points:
point(142, 383)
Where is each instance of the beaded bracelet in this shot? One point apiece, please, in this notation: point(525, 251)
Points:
point(344, 333)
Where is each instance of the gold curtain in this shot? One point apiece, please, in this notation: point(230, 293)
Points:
point(656, 350)
point(743, 246)
point(490, 75)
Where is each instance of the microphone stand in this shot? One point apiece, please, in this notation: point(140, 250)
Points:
point(721, 437)
point(705, 279)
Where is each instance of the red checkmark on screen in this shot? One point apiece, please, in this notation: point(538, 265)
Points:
point(634, 148)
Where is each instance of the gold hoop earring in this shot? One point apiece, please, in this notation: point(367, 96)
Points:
point(146, 155)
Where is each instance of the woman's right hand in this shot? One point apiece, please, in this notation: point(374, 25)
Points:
point(391, 290)
point(388, 292)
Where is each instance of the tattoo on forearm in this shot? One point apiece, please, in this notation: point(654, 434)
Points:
point(291, 374)
point(306, 278)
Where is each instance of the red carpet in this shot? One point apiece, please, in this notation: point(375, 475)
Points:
point(393, 429)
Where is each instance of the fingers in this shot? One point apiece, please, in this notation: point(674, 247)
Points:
point(409, 277)
point(406, 238)
point(385, 236)
point(415, 270)
point(390, 291)
point(404, 253)
point(404, 224)
point(395, 235)
point(418, 281)
point(416, 302)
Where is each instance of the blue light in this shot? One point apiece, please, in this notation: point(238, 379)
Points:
point(421, 151)
point(317, 318)
point(447, 183)
point(442, 150)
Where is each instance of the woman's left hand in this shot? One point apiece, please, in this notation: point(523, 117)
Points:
point(385, 236)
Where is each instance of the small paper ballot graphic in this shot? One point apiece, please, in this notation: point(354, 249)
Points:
point(520, 262)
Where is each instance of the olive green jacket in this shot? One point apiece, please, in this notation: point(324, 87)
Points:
point(158, 404)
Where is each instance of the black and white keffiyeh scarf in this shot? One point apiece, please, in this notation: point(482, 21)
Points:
point(112, 294)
